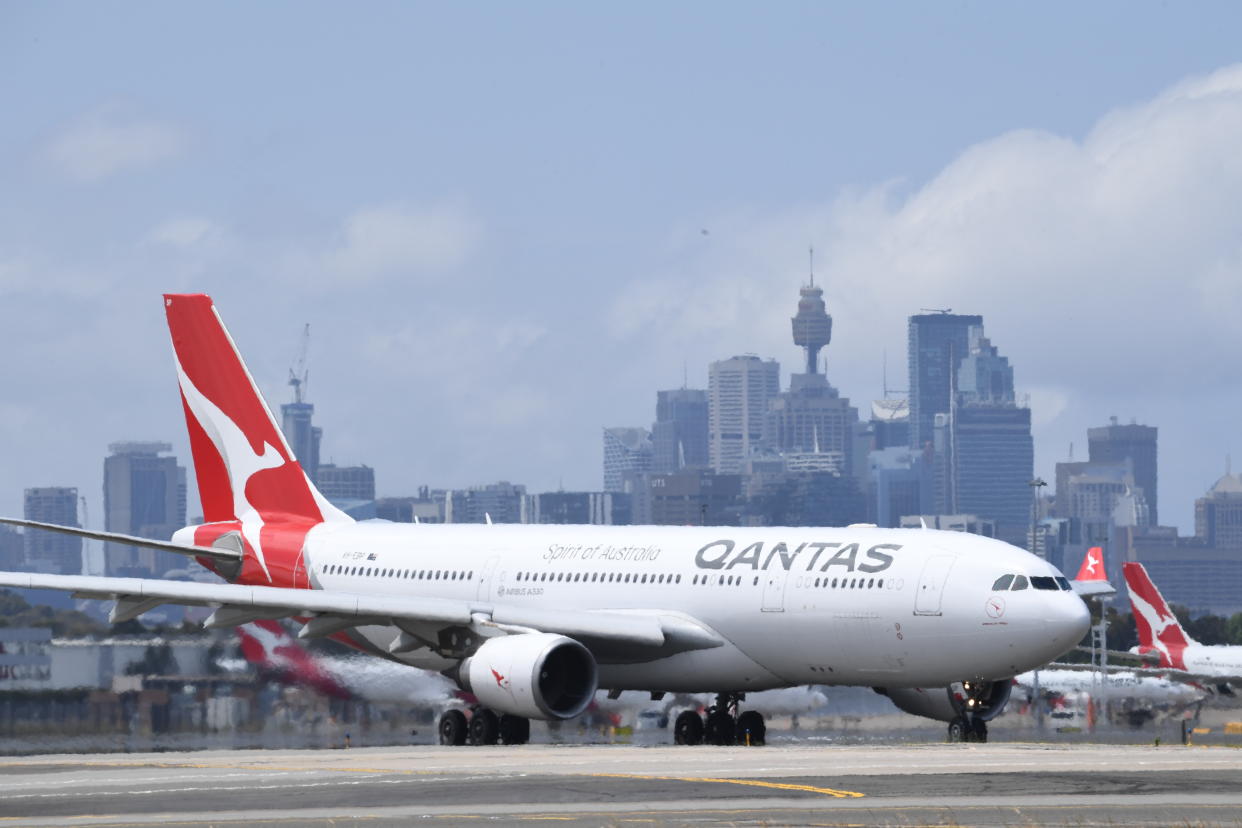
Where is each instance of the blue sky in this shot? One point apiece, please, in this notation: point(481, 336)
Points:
point(492, 215)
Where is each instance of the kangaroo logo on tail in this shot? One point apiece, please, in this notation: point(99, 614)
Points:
point(246, 472)
point(1092, 568)
point(1158, 628)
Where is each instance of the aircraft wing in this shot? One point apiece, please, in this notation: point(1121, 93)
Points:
point(331, 611)
point(1157, 672)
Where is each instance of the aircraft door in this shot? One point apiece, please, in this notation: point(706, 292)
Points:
point(485, 588)
point(774, 581)
point(930, 589)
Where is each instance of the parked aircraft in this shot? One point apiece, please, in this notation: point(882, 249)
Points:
point(1161, 636)
point(269, 646)
point(532, 619)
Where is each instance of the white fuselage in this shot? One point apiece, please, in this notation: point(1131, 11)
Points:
point(857, 606)
point(1223, 660)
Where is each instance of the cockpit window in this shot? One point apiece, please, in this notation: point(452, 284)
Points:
point(1064, 584)
point(1002, 583)
point(1019, 582)
point(1044, 582)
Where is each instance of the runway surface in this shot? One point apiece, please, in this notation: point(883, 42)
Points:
point(995, 784)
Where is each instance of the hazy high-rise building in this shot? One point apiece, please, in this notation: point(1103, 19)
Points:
point(938, 342)
point(302, 437)
point(1137, 443)
point(144, 495)
point(890, 423)
point(580, 508)
point(1218, 514)
point(52, 552)
point(983, 457)
point(679, 434)
point(994, 462)
point(627, 452)
point(12, 549)
point(739, 391)
point(342, 483)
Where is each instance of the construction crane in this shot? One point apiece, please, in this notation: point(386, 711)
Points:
point(936, 310)
point(299, 373)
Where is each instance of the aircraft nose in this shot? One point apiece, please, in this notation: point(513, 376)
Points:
point(1067, 620)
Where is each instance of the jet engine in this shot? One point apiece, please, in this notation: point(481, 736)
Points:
point(984, 699)
point(536, 675)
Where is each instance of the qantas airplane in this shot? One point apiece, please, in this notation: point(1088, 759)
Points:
point(532, 619)
point(1161, 636)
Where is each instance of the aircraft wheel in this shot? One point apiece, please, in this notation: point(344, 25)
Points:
point(514, 730)
point(688, 729)
point(751, 729)
point(979, 731)
point(484, 727)
point(720, 728)
point(957, 731)
point(453, 728)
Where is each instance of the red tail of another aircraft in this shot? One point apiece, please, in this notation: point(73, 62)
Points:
point(1092, 568)
point(1159, 631)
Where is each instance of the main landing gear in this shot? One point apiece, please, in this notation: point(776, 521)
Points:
point(968, 728)
point(483, 727)
point(722, 725)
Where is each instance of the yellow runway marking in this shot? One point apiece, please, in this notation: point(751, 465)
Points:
point(754, 783)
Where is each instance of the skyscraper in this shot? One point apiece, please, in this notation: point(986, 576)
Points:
point(738, 392)
point(302, 437)
point(938, 342)
point(983, 453)
point(144, 495)
point(1137, 443)
point(52, 552)
point(344, 483)
point(627, 451)
point(679, 434)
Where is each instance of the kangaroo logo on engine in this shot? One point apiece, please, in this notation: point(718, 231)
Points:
point(805, 557)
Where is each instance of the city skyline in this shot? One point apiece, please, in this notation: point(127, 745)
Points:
point(511, 256)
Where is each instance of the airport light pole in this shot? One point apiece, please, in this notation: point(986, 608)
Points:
point(1036, 484)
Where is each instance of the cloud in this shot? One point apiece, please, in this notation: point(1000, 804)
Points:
point(1108, 267)
point(388, 240)
point(102, 145)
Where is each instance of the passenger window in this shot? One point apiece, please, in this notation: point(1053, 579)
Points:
point(1002, 583)
point(1019, 582)
point(1044, 582)
point(1064, 584)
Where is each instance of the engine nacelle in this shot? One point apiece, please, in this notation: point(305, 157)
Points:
point(536, 675)
point(985, 699)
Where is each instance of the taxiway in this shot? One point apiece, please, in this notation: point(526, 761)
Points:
point(1010, 784)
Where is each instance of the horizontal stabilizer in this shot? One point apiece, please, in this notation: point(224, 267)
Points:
point(129, 540)
point(1092, 589)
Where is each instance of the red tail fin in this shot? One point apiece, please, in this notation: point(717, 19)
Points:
point(1092, 568)
point(1158, 628)
point(244, 466)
